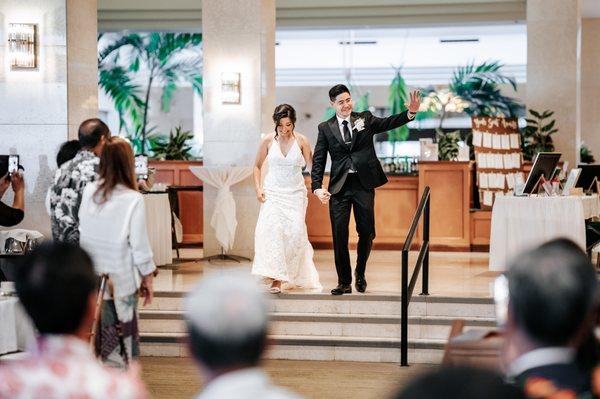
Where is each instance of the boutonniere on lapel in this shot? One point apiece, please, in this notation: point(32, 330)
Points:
point(359, 125)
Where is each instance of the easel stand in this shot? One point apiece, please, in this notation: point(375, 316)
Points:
point(225, 257)
point(594, 186)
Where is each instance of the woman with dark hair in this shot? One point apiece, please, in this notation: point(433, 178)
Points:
point(282, 252)
point(112, 228)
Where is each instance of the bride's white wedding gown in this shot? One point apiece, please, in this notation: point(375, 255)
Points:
point(282, 250)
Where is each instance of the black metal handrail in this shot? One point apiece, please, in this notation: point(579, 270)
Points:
point(422, 263)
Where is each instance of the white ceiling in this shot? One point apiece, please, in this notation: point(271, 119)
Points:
point(590, 8)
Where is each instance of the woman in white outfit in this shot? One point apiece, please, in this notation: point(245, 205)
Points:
point(112, 227)
point(282, 253)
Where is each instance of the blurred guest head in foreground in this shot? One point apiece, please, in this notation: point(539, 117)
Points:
point(227, 324)
point(551, 302)
point(57, 286)
point(460, 383)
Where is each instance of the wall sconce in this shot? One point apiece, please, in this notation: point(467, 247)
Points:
point(230, 87)
point(22, 46)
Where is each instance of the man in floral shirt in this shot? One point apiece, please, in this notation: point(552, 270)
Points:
point(71, 179)
point(57, 287)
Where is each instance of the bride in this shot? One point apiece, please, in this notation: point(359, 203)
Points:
point(282, 251)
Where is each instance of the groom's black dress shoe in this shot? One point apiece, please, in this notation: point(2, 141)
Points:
point(360, 283)
point(341, 289)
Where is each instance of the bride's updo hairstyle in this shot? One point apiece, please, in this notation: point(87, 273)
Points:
point(283, 111)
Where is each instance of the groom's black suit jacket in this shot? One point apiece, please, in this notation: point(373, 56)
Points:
point(360, 154)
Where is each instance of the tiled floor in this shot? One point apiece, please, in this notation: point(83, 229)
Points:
point(457, 274)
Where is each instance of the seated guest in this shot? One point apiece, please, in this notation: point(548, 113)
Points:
point(227, 325)
point(112, 226)
point(552, 296)
point(71, 179)
point(57, 286)
point(12, 215)
point(68, 150)
point(460, 383)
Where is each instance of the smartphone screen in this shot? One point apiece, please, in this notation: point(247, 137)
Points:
point(501, 299)
point(141, 166)
point(13, 164)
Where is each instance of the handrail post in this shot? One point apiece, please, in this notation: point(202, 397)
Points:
point(404, 312)
point(425, 283)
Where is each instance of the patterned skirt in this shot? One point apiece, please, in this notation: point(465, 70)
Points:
point(117, 341)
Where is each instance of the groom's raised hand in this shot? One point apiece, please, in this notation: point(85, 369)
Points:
point(323, 195)
point(415, 101)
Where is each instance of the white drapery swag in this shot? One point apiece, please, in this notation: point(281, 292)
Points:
point(223, 219)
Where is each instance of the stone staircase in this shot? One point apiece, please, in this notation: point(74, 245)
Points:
point(324, 327)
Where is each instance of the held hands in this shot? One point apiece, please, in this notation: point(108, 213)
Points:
point(323, 195)
point(260, 195)
point(415, 102)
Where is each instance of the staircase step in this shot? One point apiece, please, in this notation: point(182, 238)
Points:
point(357, 304)
point(300, 347)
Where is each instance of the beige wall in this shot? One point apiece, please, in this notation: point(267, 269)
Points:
point(590, 85)
point(39, 106)
point(553, 67)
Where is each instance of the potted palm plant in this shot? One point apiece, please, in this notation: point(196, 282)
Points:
point(166, 59)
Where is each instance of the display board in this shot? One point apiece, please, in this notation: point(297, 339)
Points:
point(497, 146)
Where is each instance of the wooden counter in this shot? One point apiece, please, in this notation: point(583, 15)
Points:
point(190, 202)
point(450, 184)
point(395, 204)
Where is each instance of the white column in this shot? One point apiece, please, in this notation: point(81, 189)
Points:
point(40, 107)
point(553, 67)
point(590, 85)
point(238, 36)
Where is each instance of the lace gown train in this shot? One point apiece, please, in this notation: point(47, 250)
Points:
point(282, 249)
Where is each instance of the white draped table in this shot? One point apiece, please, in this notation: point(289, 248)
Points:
point(223, 220)
point(520, 223)
point(158, 222)
point(16, 330)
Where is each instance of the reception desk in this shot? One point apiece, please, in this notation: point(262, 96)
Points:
point(395, 205)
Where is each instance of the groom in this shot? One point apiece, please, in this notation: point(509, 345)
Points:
point(355, 173)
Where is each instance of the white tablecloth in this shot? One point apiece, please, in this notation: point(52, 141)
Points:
point(16, 330)
point(223, 219)
point(520, 223)
point(158, 221)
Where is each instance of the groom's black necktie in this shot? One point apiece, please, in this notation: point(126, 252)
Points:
point(347, 137)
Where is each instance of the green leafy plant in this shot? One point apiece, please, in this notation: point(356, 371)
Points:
point(477, 85)
point(167, 58)
point(397, 98)
point(537, 135)
point(175, 146)
point(448, 144)
point(585, 154)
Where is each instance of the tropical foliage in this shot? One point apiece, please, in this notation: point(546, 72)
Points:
point(537, 135)
point(477, 86)
point(397, 98)
point(175, 147)
point(167, 60)
point(585, 154)
point(448, 144)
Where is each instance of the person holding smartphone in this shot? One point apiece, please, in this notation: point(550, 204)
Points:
point(12, 215)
